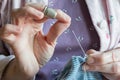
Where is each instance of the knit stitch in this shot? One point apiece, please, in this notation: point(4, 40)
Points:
point(73, 71)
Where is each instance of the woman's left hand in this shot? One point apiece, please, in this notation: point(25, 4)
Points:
point(106, 62)
point(32, 48)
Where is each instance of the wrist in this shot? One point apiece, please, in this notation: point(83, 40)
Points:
point(13, 72)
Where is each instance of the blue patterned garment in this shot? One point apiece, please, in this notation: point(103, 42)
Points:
point(73, 71)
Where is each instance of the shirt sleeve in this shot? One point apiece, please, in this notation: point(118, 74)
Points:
point(4, 61)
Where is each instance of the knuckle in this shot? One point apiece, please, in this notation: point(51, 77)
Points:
point(18, 12)
point(27, 9)
point(6, 27)
point(101, 59)
point(116, 68)
point(66, 18)
point(68, 24)
point(67, 21)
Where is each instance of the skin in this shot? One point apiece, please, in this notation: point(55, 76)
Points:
point(107, 62)
point(32, 49)
point(38, 48)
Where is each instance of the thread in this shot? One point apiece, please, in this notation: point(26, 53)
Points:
point(79, 44)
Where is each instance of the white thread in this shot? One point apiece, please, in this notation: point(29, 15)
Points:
point(85, 74)
point(79, 44)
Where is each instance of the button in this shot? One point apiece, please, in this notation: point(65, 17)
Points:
point(111, 18)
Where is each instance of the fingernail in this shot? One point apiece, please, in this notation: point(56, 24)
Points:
point(90, 60)
point(40, 15)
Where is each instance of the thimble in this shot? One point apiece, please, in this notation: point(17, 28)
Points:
point(49, 12)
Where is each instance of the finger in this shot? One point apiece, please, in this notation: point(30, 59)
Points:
point(104, 58)
point(91, 51)
point(10, 29)
point(63, 22)
point(107, 68)
point(42, 20)
point(9, 32)
point(39, 6)
point(34, 13)
point(111, 76)
point(48, 12)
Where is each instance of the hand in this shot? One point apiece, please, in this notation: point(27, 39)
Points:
point(106, 62)
point(31, 47)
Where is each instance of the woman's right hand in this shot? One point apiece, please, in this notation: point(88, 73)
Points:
point(31, 47)
point(107, 62)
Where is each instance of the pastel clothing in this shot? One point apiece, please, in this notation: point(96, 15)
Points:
point(96, 27)
point(105, 15)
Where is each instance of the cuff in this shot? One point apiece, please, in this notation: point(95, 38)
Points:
point(4, 61)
